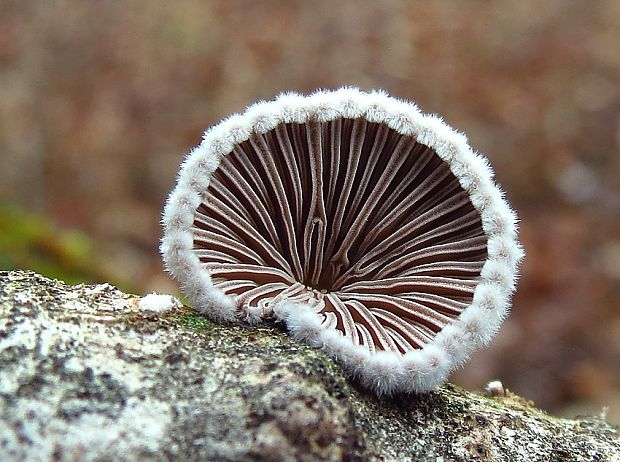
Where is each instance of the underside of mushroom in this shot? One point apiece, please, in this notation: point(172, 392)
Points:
point(370, 229)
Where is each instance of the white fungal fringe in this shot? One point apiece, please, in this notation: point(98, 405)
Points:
point(384, 372)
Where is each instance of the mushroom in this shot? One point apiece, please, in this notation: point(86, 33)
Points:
point(369, 229)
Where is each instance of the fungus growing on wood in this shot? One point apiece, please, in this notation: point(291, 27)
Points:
point(369, 229)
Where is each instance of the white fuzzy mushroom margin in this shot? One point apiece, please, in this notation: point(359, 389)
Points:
point(383, 372)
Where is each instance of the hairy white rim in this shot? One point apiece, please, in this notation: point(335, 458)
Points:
point(195, 246)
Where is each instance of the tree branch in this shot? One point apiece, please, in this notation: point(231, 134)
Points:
point(85, 374)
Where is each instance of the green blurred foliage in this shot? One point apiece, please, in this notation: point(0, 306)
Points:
point(32, 241)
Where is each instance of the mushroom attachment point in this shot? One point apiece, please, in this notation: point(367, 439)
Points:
point(369, 229)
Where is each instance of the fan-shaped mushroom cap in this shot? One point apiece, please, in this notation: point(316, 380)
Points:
point(370, 229)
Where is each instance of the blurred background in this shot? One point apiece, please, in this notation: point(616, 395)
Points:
point(100, 100)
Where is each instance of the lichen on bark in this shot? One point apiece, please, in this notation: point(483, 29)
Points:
point(86, 375)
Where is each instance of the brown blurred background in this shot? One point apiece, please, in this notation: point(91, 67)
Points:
point(99, 100)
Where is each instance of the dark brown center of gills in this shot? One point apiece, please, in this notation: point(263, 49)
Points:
point(366, 225)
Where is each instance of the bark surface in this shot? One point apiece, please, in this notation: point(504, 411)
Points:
point(86, 375)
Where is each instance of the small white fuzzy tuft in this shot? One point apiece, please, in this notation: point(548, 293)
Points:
point(495, 388)
point(159, 303)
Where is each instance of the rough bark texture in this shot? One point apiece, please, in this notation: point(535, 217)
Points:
point(86, 375)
